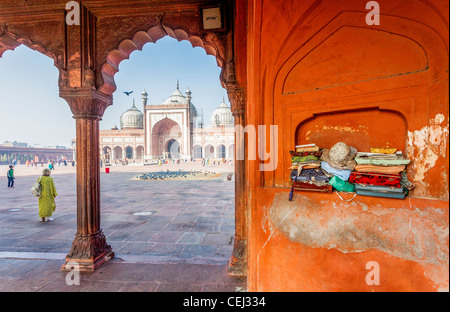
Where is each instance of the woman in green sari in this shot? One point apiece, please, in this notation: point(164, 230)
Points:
point(47, 199)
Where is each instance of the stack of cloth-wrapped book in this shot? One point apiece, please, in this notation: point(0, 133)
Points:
point(381, 173)
point(306, 174)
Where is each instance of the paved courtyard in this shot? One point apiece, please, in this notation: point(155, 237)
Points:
point(167, 235)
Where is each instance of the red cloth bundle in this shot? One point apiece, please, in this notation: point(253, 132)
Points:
point(316, 187)
point(303, 154)
point(391, 180)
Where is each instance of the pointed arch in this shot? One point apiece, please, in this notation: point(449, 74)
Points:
point(140, 38)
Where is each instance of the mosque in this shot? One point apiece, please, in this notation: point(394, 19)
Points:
point(170, 130)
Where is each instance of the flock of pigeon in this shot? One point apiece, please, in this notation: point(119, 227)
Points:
point(180, 174)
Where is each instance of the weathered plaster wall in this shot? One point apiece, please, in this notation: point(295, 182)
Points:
point(322, 75)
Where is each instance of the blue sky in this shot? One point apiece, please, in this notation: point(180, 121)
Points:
point(31, 110)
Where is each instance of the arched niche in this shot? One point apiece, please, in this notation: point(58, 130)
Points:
point(361, 129)
point(353, 55)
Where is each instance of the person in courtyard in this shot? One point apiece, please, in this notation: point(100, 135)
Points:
point(47, 199)
point(10, 176)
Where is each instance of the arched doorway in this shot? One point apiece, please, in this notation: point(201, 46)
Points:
point(129, 152)
point(209, 151)
point(117, 153)
point(197, 152)
point(139, 153)
point(163, 132)
point(106, 154)
point(173, 149)
point(231, 151)
point(221, 151)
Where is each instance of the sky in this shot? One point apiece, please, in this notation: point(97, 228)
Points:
point(31, 110)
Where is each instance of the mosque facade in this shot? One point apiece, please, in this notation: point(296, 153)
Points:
point(170, 130)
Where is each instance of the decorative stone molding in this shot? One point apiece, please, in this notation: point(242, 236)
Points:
point(236, 95)
point(86, 102)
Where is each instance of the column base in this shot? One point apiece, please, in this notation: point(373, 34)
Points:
point(237, 265)
point(87, 265)
point(89, 251)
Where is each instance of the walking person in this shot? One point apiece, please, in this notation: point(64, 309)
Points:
point(47, 199)
point(10, 176)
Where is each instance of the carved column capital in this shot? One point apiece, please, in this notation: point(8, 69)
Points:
point(236, 96)
point(86, 102)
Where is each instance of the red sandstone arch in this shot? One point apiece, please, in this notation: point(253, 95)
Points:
point(127, 46)
point(10, 41)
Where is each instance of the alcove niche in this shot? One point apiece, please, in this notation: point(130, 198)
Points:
point(361, 129)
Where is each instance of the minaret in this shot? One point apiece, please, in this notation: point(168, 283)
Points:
point(188, 96)
point(144, 103)
point(144, 98)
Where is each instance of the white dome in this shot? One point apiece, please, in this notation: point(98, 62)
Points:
point(132, 119)
point(177, 97)
point(222, 116)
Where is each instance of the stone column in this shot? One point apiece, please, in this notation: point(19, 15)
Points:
point(238, 261)
point(89, 248)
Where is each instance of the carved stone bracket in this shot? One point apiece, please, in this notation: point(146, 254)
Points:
point(86, 102)
point(236, 95)
point(6, 41)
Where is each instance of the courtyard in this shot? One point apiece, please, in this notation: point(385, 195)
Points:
point(167, 235)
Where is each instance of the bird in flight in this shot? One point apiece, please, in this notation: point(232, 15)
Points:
point(128, 92)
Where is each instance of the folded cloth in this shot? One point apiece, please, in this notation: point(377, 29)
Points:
point(397, 155)
point(341, 185)
point(391, 180)
point(401, 194)
point(384, 150)
point(307, 148)
point(300, 159)
point(380, 169)
point(311, 166)
point(306, 165)
point(315, 175)
point(390, 160)
point(378, 188)
point(321, 187)
point(343, 174)
point(300, 154)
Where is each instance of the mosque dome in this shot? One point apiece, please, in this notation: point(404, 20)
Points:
point(178, 98)
point(132, 119)
point(193, 111)
point(222, 116)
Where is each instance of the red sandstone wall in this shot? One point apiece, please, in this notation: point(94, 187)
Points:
point(319, 72)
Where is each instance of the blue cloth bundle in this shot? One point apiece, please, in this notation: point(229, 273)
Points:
point(342, 174)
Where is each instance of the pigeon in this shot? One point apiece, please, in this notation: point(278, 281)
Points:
point(128, 92)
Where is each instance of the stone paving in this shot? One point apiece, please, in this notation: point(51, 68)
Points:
point(166, 235)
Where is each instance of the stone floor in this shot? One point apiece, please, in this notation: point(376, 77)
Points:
point(166, 235)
